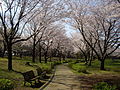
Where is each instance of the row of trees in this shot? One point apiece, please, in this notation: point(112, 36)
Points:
point(40, 24)
point(33, 21)
point(98, 23)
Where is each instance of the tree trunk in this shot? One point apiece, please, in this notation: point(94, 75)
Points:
point(90, 61)
point(86, 60)
point(50, 58)
point(63, 57)
point(21, 55)
point(9, 48)
point(33, 51)
point(91, 58)
point(33, 55)
point(39, 53)
point(45, 56)
point(60, 57)
point(102, 65)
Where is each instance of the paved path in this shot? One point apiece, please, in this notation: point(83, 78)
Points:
point(64, 79)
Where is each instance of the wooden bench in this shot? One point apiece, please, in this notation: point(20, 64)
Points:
point(41, 73)
point(29, 76)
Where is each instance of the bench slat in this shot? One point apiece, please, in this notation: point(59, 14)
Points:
point(29, 76)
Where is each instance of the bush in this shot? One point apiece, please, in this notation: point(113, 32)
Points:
point(6, 84)
point(103, 86)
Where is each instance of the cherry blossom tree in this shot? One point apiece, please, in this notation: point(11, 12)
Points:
point(14, 16)
point(101, 23)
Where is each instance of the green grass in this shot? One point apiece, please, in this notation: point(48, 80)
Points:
point(19, 66)
point(110, 66)
point(90, 75)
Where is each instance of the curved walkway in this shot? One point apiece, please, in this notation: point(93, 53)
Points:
point(64, 79)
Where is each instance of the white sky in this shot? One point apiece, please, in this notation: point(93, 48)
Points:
point(69, 30)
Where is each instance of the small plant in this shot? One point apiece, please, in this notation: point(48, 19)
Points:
point(6, 84)
point(103, 86)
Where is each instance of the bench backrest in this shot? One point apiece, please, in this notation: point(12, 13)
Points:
point(39, 71)
point(28, 75)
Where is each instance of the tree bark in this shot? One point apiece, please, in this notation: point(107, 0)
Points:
point(86, 60)
point(9, 48)
point(102, 64)
point(21, 54)
point(60, 56)
point(33, 55)
point(50, 58)
point(91, 58)
point(33, 51)
point(63, 57)
point(39, 53)
point(45, 56)
point(90, 62)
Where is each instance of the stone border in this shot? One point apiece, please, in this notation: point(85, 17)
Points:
point(49, 80)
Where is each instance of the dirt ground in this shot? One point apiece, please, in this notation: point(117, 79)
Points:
point(87, 82)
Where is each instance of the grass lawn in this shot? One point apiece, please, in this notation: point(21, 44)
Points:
point(90, 75)
point(19, 66)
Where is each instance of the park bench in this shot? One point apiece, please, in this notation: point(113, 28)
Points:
point(41, 73)
point(29, 76)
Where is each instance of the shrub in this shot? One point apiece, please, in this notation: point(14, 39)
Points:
point(6, 84)
point(103, 86)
